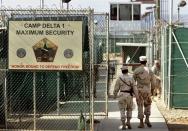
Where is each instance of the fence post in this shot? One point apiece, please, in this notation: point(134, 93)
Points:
point(3, 100)
point(91, 36)
point(58, 91)
point(107, 61)
point(34, 100)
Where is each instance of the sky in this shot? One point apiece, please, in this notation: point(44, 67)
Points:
point(98, 5)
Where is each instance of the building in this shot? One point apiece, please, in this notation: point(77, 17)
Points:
point(130, 31)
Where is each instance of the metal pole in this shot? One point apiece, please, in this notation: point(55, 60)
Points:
point(148, 48)
point(107, 61)
point(1, 3)
point(117, 12)
point(132, 12)
point(112, 56)
point(34, 100)
point(149, 40)
point(5, 100)
point(169, 54)
point(42, 4)
point(91, 69)
point(61, 4)
point(158, 43)
point(163, 37)
point(67, 6)
point(58, 90)
point(83, 81)
point(178, 14)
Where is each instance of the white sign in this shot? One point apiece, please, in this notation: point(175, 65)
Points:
point(45, 45)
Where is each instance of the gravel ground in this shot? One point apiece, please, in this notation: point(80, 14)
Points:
point(176, 119)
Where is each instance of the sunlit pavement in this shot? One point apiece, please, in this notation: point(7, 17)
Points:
point(113, 123)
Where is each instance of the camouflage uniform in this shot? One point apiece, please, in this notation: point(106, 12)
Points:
point(157, 89)
point(145, 78)
point(125, 100)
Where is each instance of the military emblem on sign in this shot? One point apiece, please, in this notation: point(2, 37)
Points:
point(45, 50)
point(68, 53)
point(21, 53)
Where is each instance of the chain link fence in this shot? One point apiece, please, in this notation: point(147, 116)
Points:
point(55, 100)
point(100, 64)
point(174, 69)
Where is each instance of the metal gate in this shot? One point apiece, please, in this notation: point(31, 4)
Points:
point(56, 100)
point(100, 64)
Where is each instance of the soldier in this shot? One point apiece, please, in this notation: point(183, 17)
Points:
point(125, 86)
point(156, 70)
point(145, 79)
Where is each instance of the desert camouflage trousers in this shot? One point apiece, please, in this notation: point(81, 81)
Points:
point(144, 104)
point(158, 88)
point(125, 104)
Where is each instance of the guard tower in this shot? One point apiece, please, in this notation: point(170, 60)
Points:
point(128, 34)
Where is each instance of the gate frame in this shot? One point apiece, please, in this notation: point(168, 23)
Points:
point(89, 13)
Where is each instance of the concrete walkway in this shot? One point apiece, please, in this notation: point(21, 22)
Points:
point(113, 123)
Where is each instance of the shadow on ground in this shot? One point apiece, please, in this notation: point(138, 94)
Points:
point(178, 127)
point(115, 124)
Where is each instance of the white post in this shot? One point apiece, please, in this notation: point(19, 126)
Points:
point(169, 55)
point(67, 6)
point(163, 38)
point(61, 4)
point(132, 12)
point(1, 4)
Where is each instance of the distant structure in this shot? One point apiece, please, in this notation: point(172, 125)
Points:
point(130, 34)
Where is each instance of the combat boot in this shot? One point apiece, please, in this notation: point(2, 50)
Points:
point(148, 122)
point(141, 124)
point(128, 124)
point(123, 125)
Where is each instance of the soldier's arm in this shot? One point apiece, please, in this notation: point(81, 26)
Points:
point(153, 69)
point(116, 88)
point(153, 81)
point(153, 77)
point(158, 77)
point(135, 89)
point(136, 73)
point(134, 76)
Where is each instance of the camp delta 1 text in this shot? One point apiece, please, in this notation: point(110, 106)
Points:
point(44, 25)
